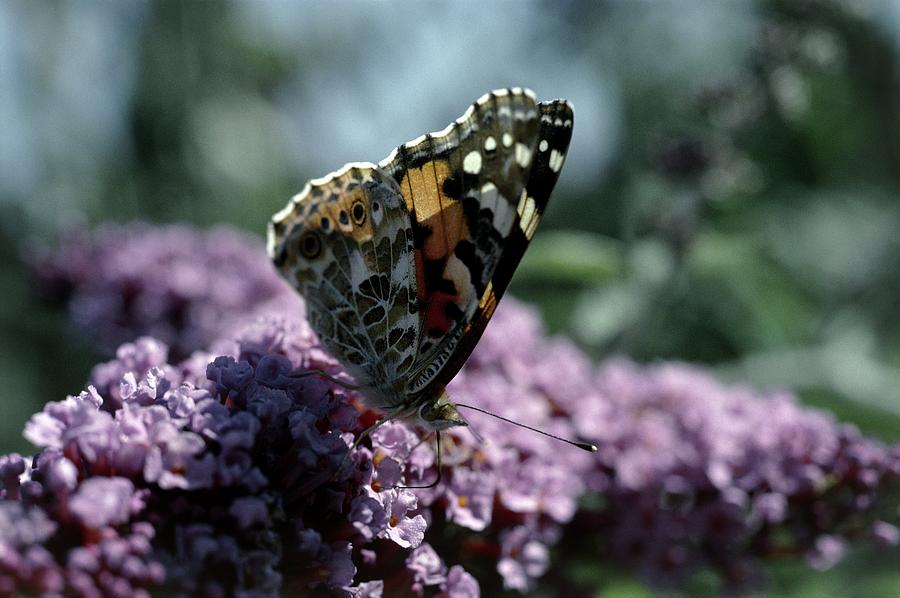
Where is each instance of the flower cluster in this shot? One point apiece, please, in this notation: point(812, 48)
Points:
point(181, 286)
point(205, 489)
point(696, 474)
point(231, 471)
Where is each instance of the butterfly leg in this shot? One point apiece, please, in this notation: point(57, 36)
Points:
point(437, 480)
point(369, 430)
point(326, 375)
point(417, 445)
point(362, 435)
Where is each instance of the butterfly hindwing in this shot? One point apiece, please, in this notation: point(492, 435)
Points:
point(345, 242)
point(482, 164)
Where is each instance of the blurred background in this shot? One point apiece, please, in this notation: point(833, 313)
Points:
point(730, 195)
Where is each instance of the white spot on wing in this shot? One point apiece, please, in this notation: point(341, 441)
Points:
point(526, 205)
point(489, 196)
point(472, 162)
point(556, 160)
point(490, 144)
point(527, 215)
point(271, 241)
point(523, 155)
point(504, 214)
point(543, 145)
point(507, 140)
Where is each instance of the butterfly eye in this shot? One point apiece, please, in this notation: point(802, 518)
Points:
point(359, 213)
point(310, 246)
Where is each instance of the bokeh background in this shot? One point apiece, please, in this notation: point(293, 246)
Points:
point(730, 196)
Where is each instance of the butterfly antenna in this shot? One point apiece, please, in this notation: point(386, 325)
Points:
point(585, 446)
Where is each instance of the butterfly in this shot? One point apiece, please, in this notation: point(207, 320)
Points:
point(401, 264)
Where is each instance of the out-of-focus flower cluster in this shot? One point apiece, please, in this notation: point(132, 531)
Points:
point(227, 472)
point(696, 474)
point(180, 285)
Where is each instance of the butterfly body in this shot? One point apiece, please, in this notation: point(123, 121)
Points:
point(402, 263)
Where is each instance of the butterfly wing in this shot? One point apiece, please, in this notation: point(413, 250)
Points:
point(477, 191)
point(346, 244)
point(556, 130)
point(402, 264)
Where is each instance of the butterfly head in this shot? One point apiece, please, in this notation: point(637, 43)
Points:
point(440, 413)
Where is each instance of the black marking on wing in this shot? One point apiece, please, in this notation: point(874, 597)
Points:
point(541, 180)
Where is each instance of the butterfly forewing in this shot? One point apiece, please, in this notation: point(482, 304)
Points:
point(555, 133)
point(556, 119)
point(477, 169)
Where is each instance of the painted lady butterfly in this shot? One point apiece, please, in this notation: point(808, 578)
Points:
point(402, 264)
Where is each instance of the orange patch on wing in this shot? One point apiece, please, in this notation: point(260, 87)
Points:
point(423, 188)
point(442, 218)
point(488, 302)
point(423, 191)
point(446, 229)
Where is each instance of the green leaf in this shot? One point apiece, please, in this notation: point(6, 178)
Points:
point(572, 257)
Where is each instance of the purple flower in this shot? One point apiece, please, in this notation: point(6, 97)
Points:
point(102, 502)
point(107, 562)
point(12, 467)
point(368, 589)
point(401, 441)
point(885, 533)
point(168, 435)
point(249, 511)
point(21, 526)
point(180, 285)
point(427, 567)
point(402, 529)
point(524, 559)
point(470, 498)
point(368, 516)
point(460, 584)
point(132, 364)
point(827, 552)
